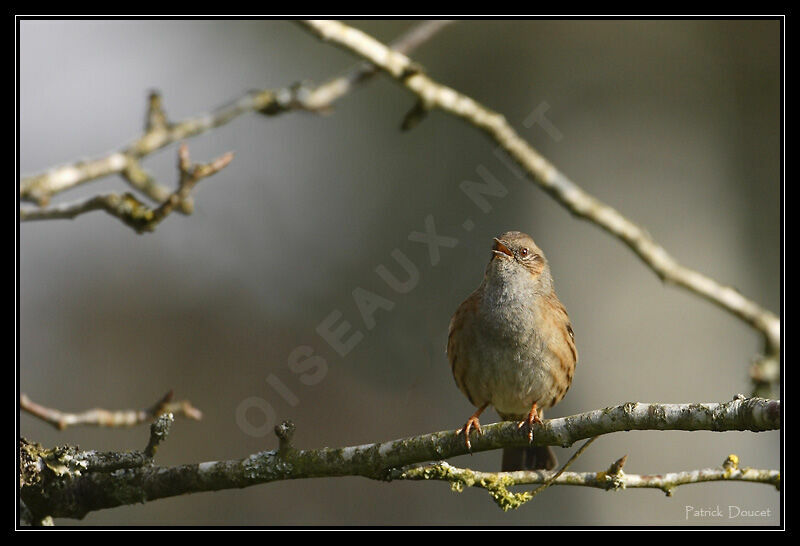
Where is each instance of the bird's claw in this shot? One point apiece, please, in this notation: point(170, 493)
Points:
point(472, 423)
point(532, 419)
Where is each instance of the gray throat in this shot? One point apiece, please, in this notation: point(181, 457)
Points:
point(511, 297)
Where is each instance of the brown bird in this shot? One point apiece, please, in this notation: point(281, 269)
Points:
point(511, 345)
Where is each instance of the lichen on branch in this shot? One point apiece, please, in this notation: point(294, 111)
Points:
point(379, 461)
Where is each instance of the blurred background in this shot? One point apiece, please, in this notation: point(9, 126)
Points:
point(676, 124)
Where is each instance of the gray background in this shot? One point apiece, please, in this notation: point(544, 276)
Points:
point(675, 124)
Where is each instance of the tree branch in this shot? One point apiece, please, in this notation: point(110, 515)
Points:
point(106, 418)
point(41, 469)
point(507, 500)
point(128, 208)
point(434, 95)
point(89, 491)
point(159, 132)
point(613, 479)
point(321, 98)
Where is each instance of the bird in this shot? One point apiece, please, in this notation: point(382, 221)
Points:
point(511, 345)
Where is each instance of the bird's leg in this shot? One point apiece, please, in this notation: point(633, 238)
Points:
point(472, 423)
point(533, 418)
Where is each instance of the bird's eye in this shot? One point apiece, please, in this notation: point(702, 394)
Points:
point(524, 252)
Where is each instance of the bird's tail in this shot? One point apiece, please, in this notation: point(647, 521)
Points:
point(529, 458)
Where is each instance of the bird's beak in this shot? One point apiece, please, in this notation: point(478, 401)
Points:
point(500, 249)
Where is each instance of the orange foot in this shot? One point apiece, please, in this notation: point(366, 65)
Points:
point(472, 423)
point(533, 419)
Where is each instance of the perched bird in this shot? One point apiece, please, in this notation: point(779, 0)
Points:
point(511, 345)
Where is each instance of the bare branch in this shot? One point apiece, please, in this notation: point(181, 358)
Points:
point(558, 474)
point(765, 373)
point(106, 418)
point(41, 468)
point(159, 430)
point(378, 461)
point(159, 132)
point(156, 117)
point(128, 208)
point(495, 483)
point(570, 195)
point(135, 175)
point(614, 479)
point(321, 98)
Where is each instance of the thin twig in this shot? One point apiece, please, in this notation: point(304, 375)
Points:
point(110, 418)
point(613, 479)
point(159, 430)
point(496, 483)
point(159, 132)
point(565, 191)
point(571, 460)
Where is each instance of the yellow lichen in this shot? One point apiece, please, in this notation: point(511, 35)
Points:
point(731, 464)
